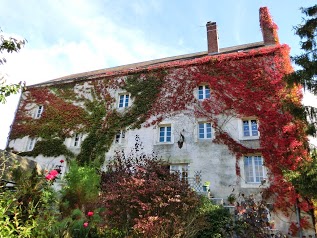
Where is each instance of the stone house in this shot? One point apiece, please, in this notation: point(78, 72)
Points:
point(216, 117)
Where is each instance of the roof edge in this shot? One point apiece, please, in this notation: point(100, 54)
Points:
point(142, 65)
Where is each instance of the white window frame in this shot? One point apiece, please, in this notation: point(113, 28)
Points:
point(204, 94)
point(39, 111)
point(126, 100)
point(76, 140)
point(165, 134)
point(250, 129)
point(205, 133)
point(256, 170)
point(181, 169)
point(31, 143)
point(120, 137)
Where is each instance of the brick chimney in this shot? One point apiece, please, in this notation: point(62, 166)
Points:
point(212, 38)
point(268, 27)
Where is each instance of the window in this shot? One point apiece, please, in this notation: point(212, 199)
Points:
point(77, 140)
point(181, 170)
point(204, 130)
point(203, 92)
point(250, 128)
point(39, 111)
point(31, 144)
point(124, 100)
point(254, 169)
point(120, 136)
point(165, 134)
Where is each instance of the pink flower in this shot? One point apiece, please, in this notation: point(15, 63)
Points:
point(61, 161)
point(85, 224)
point(90, 214)
point(53, 173)
point(49, 177)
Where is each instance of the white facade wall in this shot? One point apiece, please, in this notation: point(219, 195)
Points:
point(214, 162)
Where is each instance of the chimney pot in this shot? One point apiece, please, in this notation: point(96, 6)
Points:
point(212, 38)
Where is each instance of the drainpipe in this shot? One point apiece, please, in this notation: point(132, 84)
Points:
point(298, 218)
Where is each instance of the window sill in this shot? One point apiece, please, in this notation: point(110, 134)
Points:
point(164, 143)
point(250, 138)
point(254, 185)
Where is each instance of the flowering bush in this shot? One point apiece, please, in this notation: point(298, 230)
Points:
point(30, 210)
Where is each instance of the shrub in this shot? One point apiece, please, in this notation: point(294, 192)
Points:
point(218, 220)
point(142, 198)
point(81, 189)
point(29, 210)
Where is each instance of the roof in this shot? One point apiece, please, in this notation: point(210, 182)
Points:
point(142, 65)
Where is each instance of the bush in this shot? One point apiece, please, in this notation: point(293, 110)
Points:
point(81, 189)
point(143, 199)
point(30, 209)
point(218, 220)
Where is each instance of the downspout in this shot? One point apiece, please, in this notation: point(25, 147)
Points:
point(298, 219)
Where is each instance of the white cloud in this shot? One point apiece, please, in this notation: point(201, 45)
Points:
point(95, 42)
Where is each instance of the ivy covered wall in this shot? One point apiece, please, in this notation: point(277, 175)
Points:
point(243, 84)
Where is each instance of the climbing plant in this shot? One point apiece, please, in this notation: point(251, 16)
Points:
point(243, 84)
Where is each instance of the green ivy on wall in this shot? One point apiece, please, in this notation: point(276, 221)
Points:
point(49, 148)
point(67, 112)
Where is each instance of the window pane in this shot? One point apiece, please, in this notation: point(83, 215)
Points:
point(117, 137)
point(248, 169)
point(168, 133)
point(200, 92)
point(126, 100)
point(246, 129)
point(207, 92)
point(181, 170)
point(121, 100)
point(254, 127)
point(165, 134)
point(253, 166)
point(39, 111)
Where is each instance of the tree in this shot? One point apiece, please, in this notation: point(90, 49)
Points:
point(308, 60)
point(8, 44)
point(303, 177)
point(306, 75)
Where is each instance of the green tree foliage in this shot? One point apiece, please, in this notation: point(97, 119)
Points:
point(303, 178)
point(218, 220)
point(8, 44)
point(81, 189)
point(307, 61)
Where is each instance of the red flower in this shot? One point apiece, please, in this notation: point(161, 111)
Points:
point(85, 224)
point(49, 177)
point(53, 173)
point(61, 161)
point(90, 214)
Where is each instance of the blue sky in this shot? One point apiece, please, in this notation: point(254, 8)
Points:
point(73, 36)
